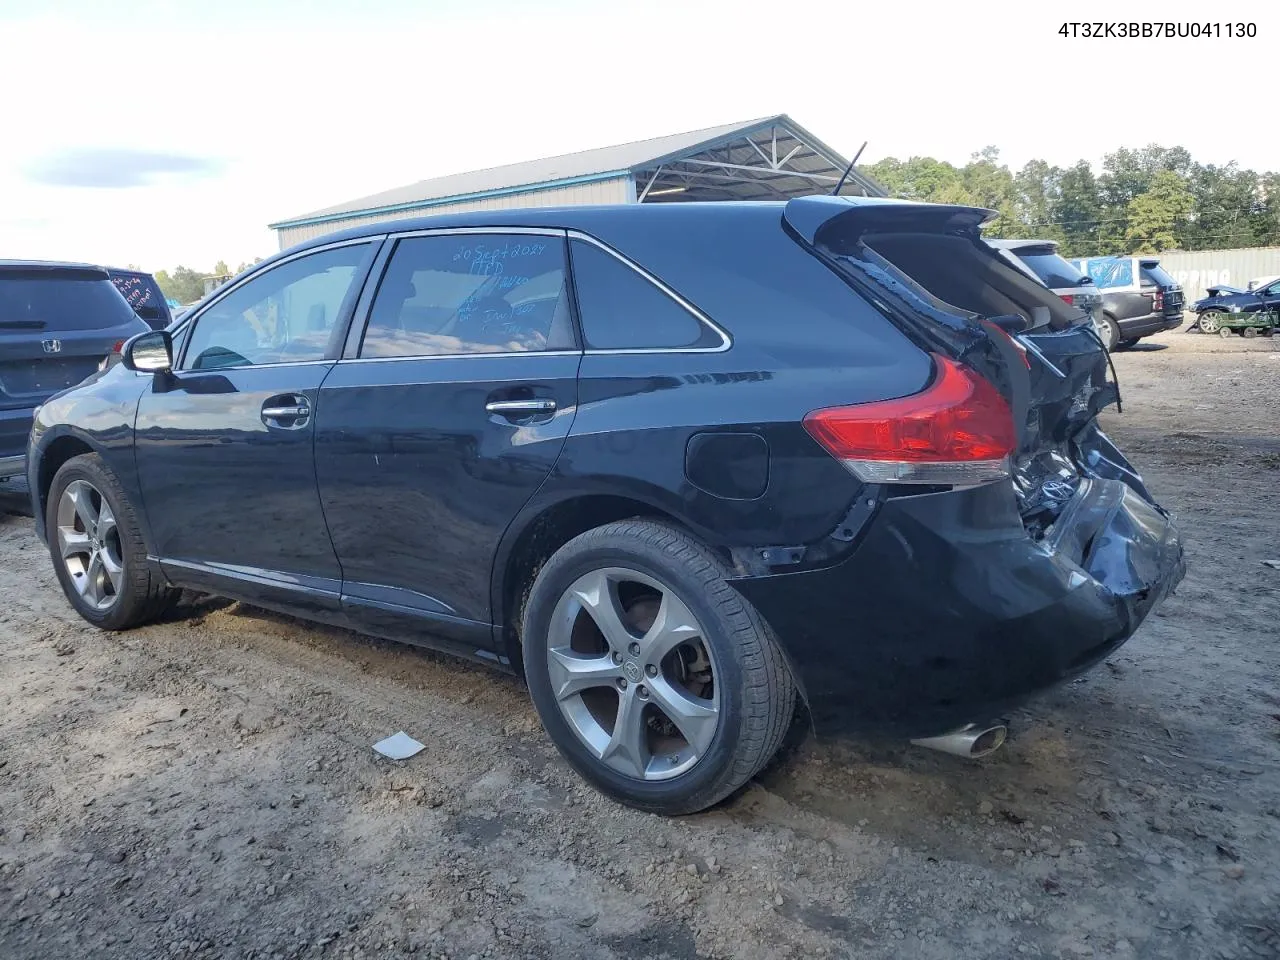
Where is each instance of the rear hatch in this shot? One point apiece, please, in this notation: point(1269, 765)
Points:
point(1163, 291)
point(57, 323)
point(927, 268)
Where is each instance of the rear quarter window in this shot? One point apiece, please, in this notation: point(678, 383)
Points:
point(623, 310)
point(143, 294)
point(1111, 273)
point(56, 300)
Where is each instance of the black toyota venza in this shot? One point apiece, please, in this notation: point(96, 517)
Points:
point(680, 465)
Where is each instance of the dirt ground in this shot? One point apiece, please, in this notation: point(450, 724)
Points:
point(205, 787)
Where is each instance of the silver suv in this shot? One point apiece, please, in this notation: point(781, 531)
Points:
point(1040, 259)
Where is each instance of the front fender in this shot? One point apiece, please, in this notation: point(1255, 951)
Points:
point(97, 416)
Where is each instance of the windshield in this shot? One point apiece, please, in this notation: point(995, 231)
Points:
point(60, 300)
point(1052, 269)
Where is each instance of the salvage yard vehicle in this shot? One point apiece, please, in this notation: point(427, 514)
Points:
point(1139, 297)
point(678, 465)
point(1227, 308)
point(58, 321)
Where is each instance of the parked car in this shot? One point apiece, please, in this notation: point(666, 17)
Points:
point(57, 323)
point(834, 450)
point(1040, 259)
point(143, 295)
point(1213, 310)
point(1139, 298)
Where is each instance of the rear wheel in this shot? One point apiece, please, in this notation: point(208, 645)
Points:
point(656, 680)
point(1108, 330)
point(1211, 321)
point(1249, 332)
point(97, 549)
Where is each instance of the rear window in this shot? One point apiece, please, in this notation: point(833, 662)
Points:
point(142, 293)
point(1152, 272)
point(1052, 269)
point(60, 301)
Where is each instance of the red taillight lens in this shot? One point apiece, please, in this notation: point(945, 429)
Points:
point(119, 345)
point(1068, 298)
point(958, 431)
point(1157, 301)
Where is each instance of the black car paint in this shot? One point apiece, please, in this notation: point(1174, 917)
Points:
point(1249, 301)
point(873, 592)
point(1135, 311)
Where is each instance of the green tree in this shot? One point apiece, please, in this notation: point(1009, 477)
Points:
point(1077, 211)
point(1156, 217)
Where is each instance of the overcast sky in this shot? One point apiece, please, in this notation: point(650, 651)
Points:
point(173, 132)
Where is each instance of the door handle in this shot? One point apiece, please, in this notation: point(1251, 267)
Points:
point(292, 409)
point(513, 409)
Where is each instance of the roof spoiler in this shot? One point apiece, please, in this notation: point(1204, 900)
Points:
point(838, 222)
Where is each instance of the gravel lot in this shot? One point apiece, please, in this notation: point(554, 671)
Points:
point(206, 787)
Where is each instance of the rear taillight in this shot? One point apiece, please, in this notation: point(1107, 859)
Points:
point(1068, 298)
point(957, 432)
point(1157, 300)
point(113, 357)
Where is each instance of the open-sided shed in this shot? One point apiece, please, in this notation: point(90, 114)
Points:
point(772, 158)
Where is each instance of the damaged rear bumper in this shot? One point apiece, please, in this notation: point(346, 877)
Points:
point(948, 611)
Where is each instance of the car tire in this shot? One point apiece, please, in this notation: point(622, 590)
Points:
point(1111, 337)
point(100, 558)
point(1210, 321)
point(619, 596)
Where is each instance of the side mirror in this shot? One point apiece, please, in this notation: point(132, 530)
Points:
point(149, 352)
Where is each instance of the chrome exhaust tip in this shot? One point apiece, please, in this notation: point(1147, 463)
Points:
point(972, 740)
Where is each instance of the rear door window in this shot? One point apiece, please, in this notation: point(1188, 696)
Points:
point(1053, 270)
point(60, 300)
point(622, 309)
point(459, 294)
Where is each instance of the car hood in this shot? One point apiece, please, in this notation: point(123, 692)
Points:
point(1225, 301)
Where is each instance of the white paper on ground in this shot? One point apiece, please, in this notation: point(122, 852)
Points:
point(398, 746)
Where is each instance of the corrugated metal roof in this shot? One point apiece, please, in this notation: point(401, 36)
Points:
point(568, 168)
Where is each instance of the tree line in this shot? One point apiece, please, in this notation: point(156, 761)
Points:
point(187, 286)
point(1143, 201)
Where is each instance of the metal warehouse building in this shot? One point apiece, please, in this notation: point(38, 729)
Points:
point(772, 158)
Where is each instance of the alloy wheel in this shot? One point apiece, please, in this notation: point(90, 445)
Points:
point(633, 674)
point(1210, 322)
point(89, 544)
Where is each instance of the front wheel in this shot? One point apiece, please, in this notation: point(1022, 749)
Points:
point(1211, 321)
point(1225, 333)
point(96, 545)
point(657, 681)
